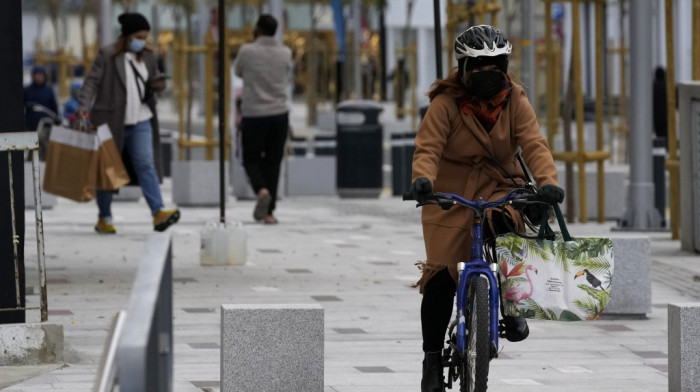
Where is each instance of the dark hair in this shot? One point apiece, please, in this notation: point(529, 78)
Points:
point(267, 25)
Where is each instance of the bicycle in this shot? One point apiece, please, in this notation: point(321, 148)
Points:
point(472, 336)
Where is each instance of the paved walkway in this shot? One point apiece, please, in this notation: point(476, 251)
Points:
point(356, 259)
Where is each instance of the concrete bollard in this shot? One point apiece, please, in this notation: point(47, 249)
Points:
point(631, 287)
point(31, 344)
point(272, 348)
point(684, 347)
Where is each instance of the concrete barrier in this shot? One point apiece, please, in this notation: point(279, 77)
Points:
point(196, 183)
point(31, 344)
point(48, 200)
point(684, 347)
point(631, 286)
point(272, 348)
point(616, 184)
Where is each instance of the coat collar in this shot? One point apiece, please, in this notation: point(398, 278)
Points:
point(121, 67)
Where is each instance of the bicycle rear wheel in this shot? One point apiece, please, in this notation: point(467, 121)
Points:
point(474, 367)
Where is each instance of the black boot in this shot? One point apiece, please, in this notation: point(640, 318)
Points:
point(433, 379)
point(514, 328)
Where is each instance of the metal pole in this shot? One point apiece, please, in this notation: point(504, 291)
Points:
point(438, 38)
point(357, 22)
point(599, 106)
point(527, 72)
point(641, 213)
point(222, 111)
point(106, 36)
point(578, 82)
point(39, 216)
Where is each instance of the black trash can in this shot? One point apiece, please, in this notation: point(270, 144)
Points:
point(402, 149)
point(359, 149)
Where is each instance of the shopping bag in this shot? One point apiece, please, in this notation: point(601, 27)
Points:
point(71, 164)
point(560, 279)
point(111, 173)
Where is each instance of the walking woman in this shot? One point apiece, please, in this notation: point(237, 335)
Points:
point(118, 91)
point(476, 115)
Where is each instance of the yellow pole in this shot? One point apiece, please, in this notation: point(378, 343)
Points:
point(494, 13)
point(583, 213)
point(696, 40)
point(481, 11)
point(209, 97)
point(449, 34)
point(550, 81)
point(413, 52)
point(180, 92)
point(672, 162)
point(62, 60)
point(599, 107)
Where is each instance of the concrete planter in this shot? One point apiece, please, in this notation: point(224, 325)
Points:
point(196, 183)
point(31, 344)
point(311, 176)
point(128, 193)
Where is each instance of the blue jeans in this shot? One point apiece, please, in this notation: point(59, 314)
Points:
point(138, 141)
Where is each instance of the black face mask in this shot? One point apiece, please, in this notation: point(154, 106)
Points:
point(485, 84)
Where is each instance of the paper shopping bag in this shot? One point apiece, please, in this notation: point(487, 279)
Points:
point(111, 173)
point(559, 278)
point(71, 164)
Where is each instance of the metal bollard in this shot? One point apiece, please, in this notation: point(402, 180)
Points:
point(658, 152)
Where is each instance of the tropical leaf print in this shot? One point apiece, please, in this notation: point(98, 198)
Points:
point(595, 265)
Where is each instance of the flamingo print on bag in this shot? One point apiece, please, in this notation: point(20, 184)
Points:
point(515, 293)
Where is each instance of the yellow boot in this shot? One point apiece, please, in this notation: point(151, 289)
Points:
point(105, 226)
point(165, 218)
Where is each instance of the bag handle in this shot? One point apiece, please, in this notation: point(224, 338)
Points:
point(546, 230)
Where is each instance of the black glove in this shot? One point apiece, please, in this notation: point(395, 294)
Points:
point(421, 188)
point(550, 194)
point(536, 212)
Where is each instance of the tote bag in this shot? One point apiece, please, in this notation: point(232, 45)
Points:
point(560, 279)
point(71, 164)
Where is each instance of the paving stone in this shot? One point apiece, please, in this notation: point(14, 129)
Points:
point(349, 331)
point(326, 298)
point(198, 310)
point(651, 354)
point(185, 280)
point(298, 270)
point(269, 251)
point(253, 347)
point(204, 346)
point(614, 328)
point(374, 369)
point(206, 384)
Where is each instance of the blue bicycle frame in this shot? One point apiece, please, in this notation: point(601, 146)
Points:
point(475, 267)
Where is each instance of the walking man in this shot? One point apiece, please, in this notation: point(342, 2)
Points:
point(265, 67)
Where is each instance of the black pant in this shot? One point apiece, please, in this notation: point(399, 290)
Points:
point(263, 143)
point(439, 293)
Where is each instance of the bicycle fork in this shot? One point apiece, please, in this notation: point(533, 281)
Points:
point(474, 268)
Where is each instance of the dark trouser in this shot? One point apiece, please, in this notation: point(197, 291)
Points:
point(263, 142)
point(438, 297)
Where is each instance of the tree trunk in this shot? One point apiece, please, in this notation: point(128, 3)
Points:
point(190, 78)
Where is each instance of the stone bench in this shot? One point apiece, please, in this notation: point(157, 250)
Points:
point(616, 190)
point(684, 347)
point(272, 348)
point(631, 288)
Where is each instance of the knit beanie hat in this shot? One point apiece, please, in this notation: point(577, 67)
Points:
point(132, 22)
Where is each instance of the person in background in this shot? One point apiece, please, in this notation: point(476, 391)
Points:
point(121, 82)
point(265, 67)
point(70, 108)
point(38, 93)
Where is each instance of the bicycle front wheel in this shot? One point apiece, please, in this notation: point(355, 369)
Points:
point(474, 367)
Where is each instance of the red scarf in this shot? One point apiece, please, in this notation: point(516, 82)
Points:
point(487, 111)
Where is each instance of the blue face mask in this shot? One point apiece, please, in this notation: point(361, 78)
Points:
point(137, 45)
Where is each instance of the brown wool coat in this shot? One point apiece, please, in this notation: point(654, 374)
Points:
point(449, 156)
point(105, 85)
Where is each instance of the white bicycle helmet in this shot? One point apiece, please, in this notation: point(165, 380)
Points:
point(482, 45)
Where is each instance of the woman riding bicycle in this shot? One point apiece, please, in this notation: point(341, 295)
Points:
point(477, 115)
